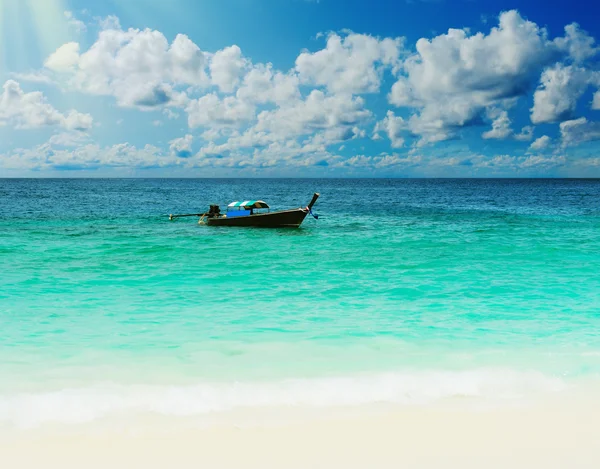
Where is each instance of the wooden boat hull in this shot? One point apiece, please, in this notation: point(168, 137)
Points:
point(283, 219)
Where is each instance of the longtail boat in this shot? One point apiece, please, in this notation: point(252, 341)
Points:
point(254, 213)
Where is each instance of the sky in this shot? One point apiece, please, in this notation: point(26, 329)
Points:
point(299, 88)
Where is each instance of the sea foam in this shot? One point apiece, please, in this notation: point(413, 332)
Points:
point(89, 403)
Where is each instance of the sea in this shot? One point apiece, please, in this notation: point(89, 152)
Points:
point(404, 292)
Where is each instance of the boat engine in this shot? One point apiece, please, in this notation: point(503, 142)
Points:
point(214, 211)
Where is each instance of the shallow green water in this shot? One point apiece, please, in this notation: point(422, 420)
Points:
point(433, 286)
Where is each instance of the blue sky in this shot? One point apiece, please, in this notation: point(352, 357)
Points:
point(301, 88)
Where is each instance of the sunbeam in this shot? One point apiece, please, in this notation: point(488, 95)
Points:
point(48, 17)
point(30, 30)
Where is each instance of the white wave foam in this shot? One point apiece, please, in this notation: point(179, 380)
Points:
point(79, 405)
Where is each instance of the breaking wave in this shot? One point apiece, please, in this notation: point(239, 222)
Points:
point(86, 404)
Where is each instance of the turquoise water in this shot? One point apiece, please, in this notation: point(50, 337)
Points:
point(403, 289)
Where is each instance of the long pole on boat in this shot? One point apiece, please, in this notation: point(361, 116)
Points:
point(314, 199)
point(172, 217)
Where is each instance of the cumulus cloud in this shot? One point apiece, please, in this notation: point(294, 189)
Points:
point(77, 25)
point(393, 126)
point(266, 153)
point(596, 101)
point(252, 114)
point(300, 129)
point(64, 59)
point(542, 162)
point(577, 131)
point(383, 161)
point(227, 67)
point(560, 89)
point(137, 67)
point(263, 85)
point(182, 147)
point(74, 120)
point(152, 95)
point(210, 110)
point(69, 139)
point(350, 64)
point(525, 135)
point(110, 22)
point(510, 164)
point(89, 156)
point(170, 114)
point(31, 110)
point(540, 143)
point(500, 127)
point(577, 43)
point(455, 78)
point(141, 69)
point(318, 111)
point(336, 116)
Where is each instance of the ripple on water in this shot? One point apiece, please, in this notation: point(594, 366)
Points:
point(449, 269)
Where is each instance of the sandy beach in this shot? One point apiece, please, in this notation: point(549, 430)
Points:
point(558, 434)
point(299, 234)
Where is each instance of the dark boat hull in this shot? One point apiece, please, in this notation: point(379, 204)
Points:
point(284, 219)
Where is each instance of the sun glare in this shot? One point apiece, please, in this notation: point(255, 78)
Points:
point(30, 29)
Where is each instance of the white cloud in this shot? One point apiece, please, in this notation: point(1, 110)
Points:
point(383, 161)
point(542, 162)
point(77, 25)
point(151, 95)
point(577, 131)
point(337, 113)
point(253, 115)
point(540, 143)
point(454, 78)
point(138, 67)
point(31, 110)
point(74, 120)
point(500, 127)
point(350, 64)
point(227, 67)
point(579, 44)
point(170, 114)
point(266, 153)
point(40, 77)
point(393, 126)
point(525, 135)
point(110, 22)
point(64, 59)
point(213, 133)
point(509, 164)
point(268, 146)
point(210, 110)
point(89, 156)
point(560, 89)
point(596, 101)
point(69, 139)
point(182, 147)
point(262, 148)
point(263, 85)
point(122, 154)
point(295, 136)
point(141, 69)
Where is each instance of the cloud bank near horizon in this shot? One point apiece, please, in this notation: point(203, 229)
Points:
point(444, 106)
